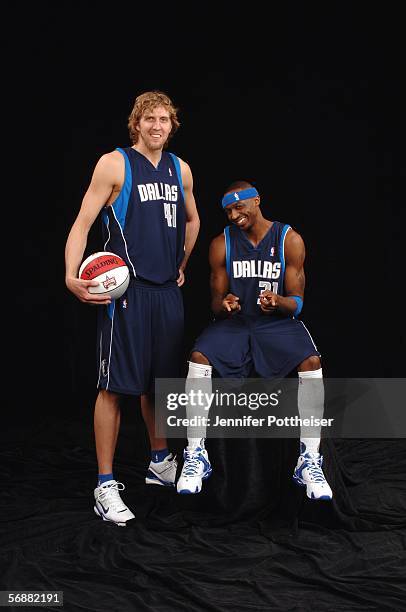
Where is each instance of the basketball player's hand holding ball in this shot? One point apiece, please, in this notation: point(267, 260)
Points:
point(79, 288)
point(231, 304)
point(268, 302)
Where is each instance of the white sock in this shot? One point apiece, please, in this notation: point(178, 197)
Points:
point(193, 443)
point(310, 399)
point(198, 379)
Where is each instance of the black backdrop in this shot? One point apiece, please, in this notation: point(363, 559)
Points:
point(305, 102)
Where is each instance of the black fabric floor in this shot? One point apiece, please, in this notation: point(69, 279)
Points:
point(251, 541)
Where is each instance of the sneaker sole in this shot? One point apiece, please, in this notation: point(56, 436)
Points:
point(161, 483)
point(322, 497)
point(189, 492)
point(108, 520)
point(300, 483)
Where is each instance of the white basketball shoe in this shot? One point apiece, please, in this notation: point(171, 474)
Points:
point(109, 505)
point(196, 468)
point(162, 472)
point(308, 473)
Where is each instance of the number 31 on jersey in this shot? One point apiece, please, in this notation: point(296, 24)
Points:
point(266, 286)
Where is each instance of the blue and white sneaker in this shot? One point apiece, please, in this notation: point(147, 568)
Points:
point(196, 468)
point(162, 472)
point(308, 473)
point(109, 505)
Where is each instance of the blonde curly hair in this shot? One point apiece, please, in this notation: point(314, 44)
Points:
point(148, 101)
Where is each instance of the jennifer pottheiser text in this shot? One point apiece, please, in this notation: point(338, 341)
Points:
point(248, 421)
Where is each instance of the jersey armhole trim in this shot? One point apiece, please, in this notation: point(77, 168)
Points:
point(178, 172)
point(120, 204)
point(285, 230)
point(228, 250)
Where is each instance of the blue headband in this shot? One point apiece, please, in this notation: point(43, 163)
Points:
point(244, 194)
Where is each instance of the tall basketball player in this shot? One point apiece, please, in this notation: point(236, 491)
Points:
point(145, 197)
point(257, 284)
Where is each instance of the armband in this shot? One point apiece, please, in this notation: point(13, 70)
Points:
point(299, 302)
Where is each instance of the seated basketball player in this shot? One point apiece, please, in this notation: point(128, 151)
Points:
point(145, 197)
point(257, 284)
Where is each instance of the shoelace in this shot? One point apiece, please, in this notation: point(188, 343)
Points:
point(111, 495)
point(192, 464)
point(314, 468)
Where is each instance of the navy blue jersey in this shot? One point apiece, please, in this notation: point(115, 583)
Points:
point(252, 270)
point(145, 225)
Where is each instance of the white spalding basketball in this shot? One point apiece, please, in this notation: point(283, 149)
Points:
point(109, 270)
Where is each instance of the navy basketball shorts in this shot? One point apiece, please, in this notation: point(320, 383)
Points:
point(140, 338)
point(270, 346)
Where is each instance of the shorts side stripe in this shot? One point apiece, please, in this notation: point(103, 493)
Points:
point(309, 335)
point(100, 361)
point(111, 342)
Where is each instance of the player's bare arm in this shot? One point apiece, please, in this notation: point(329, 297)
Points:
point(294, 278)
point(192, 218)
point(106, 183)
point(222, 302)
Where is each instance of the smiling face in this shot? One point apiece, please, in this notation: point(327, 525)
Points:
point(243, 213)
point(154, 128)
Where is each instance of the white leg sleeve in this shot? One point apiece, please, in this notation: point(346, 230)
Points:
point(310, 400)
point(198, 380)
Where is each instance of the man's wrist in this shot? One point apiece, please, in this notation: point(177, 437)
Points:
point(294, 304)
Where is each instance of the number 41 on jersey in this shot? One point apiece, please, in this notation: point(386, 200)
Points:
point(170, 214)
